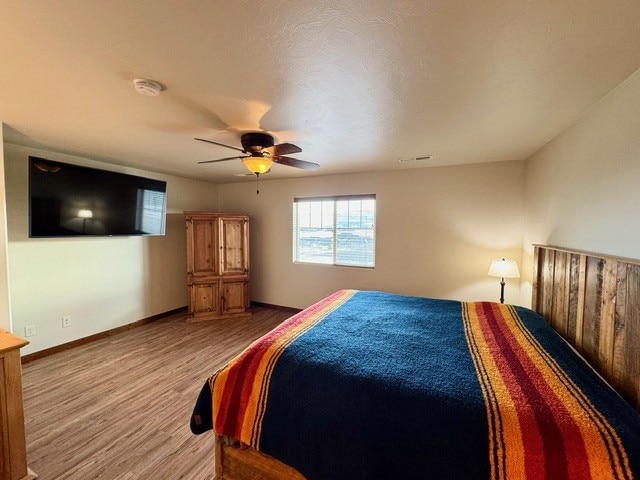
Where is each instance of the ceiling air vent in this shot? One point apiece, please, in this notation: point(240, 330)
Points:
point(415, 159)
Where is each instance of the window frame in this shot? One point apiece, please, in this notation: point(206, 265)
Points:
point(335, 199)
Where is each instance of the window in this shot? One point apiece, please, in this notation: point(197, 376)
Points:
point(150, 211)
point(335, 230)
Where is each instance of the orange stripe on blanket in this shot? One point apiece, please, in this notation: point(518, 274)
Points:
point(240, 389)
point(541, 425)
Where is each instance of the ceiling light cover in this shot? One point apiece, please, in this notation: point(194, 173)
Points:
point(257, 164)
point(147, 87)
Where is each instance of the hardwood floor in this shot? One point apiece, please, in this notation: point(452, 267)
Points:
point(119, 408)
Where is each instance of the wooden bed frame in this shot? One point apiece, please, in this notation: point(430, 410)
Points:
point(592, 300)
point(245, 463)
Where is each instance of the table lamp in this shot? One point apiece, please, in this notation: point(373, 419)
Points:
point(503, 268)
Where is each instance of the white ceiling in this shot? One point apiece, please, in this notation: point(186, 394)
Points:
point(356, 84)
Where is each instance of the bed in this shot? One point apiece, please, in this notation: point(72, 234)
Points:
point(369, 385)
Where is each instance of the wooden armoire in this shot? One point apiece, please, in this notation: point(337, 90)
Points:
point(217, 265)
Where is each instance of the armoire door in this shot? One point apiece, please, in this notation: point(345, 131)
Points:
point(234, 246)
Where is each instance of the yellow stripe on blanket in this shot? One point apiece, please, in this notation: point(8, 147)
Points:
point(541, 425)
point(240, 390)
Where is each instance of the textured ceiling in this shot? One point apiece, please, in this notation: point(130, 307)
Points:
point(356, 84)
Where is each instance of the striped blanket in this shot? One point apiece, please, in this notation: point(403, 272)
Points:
point(368, 385)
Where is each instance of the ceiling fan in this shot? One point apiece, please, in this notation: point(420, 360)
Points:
point(260, 153)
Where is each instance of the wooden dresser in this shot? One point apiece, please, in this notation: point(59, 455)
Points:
point(13, 450)
point(217, 265)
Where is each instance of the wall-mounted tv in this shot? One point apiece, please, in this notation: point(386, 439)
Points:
point(69, 200)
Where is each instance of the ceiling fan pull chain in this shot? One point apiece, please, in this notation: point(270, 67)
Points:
point(257, 185)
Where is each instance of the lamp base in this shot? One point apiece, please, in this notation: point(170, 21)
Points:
point(502, 284)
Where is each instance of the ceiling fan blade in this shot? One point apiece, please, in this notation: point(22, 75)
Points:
point(223, 159)
point(283, 149)
point(294, 162)
point(221, 144)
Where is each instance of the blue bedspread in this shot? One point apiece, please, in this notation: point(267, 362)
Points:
point(371, 385)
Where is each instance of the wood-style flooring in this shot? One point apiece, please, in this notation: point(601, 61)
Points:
point(119, 407)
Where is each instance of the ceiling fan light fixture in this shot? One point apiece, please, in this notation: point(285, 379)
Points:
point(257, 165)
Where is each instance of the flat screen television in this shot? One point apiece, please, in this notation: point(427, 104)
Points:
point(69, 200)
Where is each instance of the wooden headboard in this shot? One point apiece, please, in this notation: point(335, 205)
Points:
point(593, 301)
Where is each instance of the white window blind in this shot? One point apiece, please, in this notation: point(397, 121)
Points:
point(150, 211)
point(335, 230)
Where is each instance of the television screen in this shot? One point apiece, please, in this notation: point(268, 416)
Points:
point(69, 200)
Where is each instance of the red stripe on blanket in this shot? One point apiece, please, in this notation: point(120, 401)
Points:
point(541, 424)
point(548, 438)
point(239, 390)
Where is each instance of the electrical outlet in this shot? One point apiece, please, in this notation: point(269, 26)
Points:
point(66, 321)
point(29, 330)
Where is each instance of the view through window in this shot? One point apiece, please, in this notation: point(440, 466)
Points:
point(335, 230)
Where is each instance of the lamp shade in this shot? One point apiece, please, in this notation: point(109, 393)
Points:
point(257, 164)
point(504, 268)
point(85, 213)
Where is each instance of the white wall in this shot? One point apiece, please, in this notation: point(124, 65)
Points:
point(102, 283)
point(437, 231)
point(5, 308)
point(582, 187)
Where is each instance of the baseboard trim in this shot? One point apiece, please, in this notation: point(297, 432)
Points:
point(92, 338)
point(277, 307)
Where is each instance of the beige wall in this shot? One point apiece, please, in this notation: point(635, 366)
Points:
point(437, 231)
point(582, 188)
point(5, 309)
point(438, 228)
point(102, 283)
